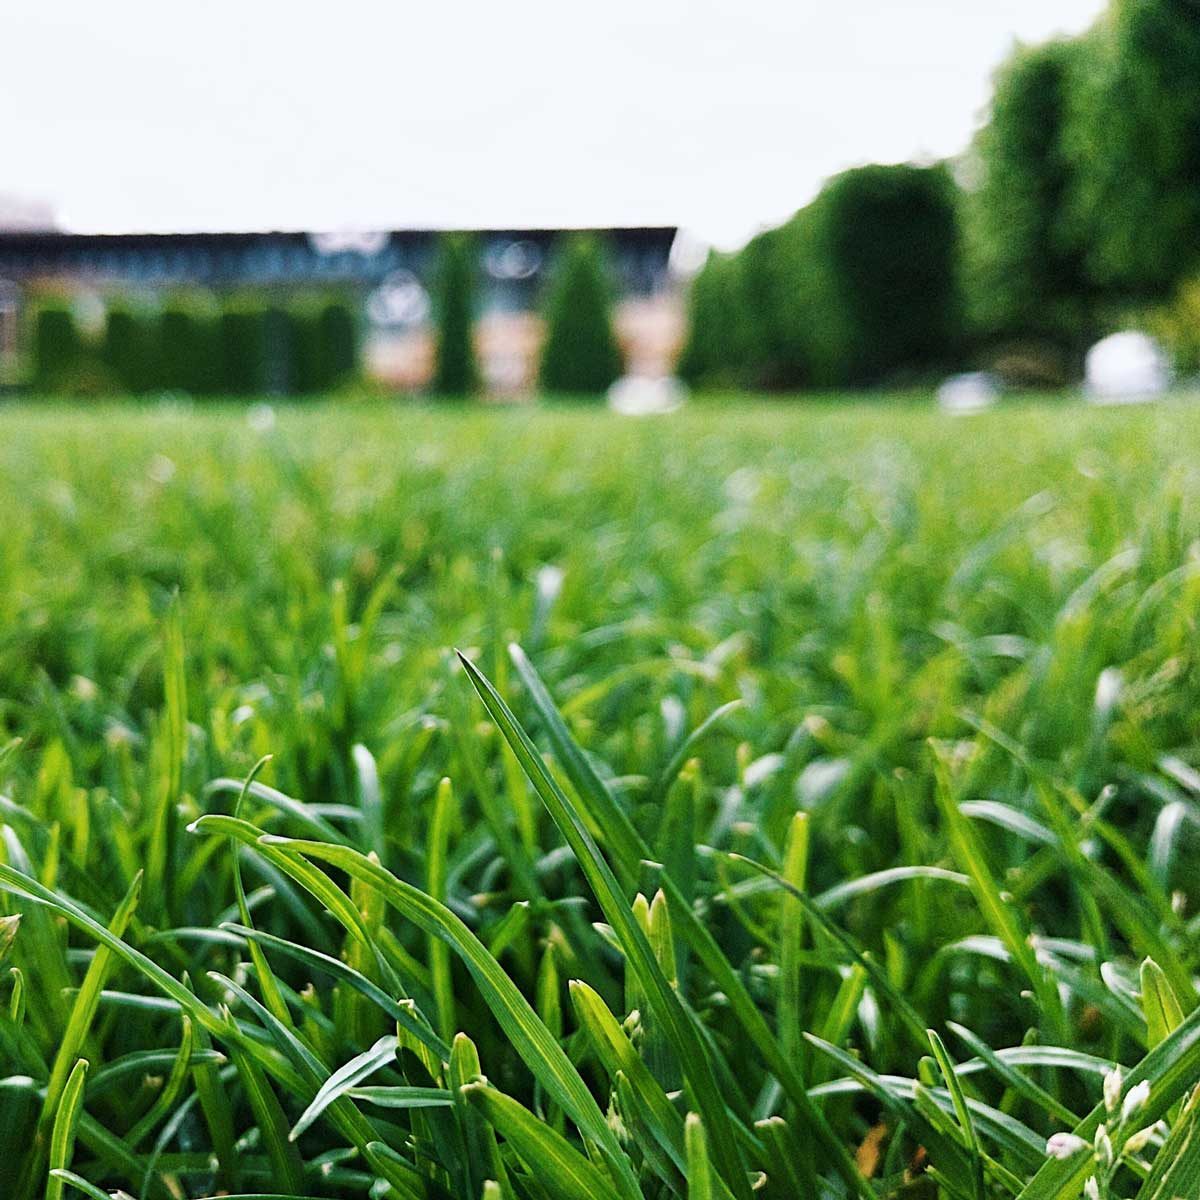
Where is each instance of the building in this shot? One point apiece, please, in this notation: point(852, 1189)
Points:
point(389, 272)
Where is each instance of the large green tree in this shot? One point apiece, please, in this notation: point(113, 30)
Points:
point(714, 352)
point(1028, 276)
point(580, 355)
point(456, 372)
point(1138, 136)
point(888, 242)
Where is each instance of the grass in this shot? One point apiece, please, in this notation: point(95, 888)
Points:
point(812, 812)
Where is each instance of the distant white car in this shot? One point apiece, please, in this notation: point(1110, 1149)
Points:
point(1126, 368)
point(646, 395)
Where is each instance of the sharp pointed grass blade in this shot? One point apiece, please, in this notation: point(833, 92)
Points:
point(403, 1097)
point(62, 1133)
point(402, 1177)
point(436, 853)
point(1013, 1078)
point(1164, 1014)
point(961, 1111)
point(623, 840)
point(628, 848)
point(1000, 916)
point(286, 1165)
point(616, 1053)
point(547, 1155)
point(170, 1092)
point(529, 1036)
point(689, 744)
point(483, 1151)
point(677, 1027)
point(399, 1011)
point(87, 1000)
point(789, 1165)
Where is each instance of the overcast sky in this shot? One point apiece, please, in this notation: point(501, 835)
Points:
point(257, 114)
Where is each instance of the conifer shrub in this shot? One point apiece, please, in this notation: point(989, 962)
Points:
point(456, 371)
point(580, 355)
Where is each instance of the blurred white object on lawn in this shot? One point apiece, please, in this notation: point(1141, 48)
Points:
point(1126, 368)
point(646, 395)
point(968, 393)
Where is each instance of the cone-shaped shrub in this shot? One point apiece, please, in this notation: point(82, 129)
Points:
point(580, 355)
point(455, 372)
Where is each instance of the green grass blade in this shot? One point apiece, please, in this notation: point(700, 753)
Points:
point(62, 1134)
point(664, 1001)
point(628, 848)
point(1171, 1069)
point(961, 1111)
point(701, 1185)
point(347, 1076)
point(1176, 1170)
point(547, 1155)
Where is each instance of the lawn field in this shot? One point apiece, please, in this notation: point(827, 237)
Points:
point(788, 733)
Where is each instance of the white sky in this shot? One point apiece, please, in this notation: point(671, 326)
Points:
point(258, 114)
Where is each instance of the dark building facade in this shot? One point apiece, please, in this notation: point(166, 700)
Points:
point(514, 262)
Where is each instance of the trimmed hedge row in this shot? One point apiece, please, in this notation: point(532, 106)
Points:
point(238, 350)
point(857, 288)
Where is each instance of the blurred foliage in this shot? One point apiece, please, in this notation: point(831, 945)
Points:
point(456, 372)
point(861, 284)
point(580, 355)
point(1077, 214)
point(1137, 142)
point(130, 349)
point(891, 254)
point(714, 350)
point(1177, 325)
point(57, 347)
point(1027, 275)
point(239, 347)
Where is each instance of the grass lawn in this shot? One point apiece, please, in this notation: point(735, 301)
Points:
point(854, 722)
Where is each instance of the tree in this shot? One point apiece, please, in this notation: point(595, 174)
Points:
point(1138, 134)
point(338, 334)
point(129, 349)
point(714, 353)
point(189, 350)
point(770, 308)
point(1028, 274)
point(888, 242)
point(455, 371)
point(57, 348)
point(580, 355)
point(243, 347)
